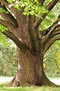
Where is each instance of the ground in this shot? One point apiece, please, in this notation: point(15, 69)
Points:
point(56, 80)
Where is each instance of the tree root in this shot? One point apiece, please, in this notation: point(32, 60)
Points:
point(14, 83)
point(44, 81)
point(47, 82)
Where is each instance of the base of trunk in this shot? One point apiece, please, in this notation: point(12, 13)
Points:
point(44, 81)
point(30, 71)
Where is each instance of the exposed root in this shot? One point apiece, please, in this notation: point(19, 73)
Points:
point(47, 82)
point(44, 81)
point(14, 83)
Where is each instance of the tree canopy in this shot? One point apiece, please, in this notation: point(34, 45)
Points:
point(38, 8)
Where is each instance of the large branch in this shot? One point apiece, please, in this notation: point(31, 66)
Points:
point(13, 12)
point(19, 44)
point(10, 18)
point(7, 25)
point(50, 42)
point(31, 32)
point(6, 4)
point(45, 32)
point(51, 31)
point(10, 8)
point(49, 7)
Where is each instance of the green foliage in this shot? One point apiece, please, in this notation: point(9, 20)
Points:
point(8, 60)
point(58, 57)
point(2, 28)
point(48, 21)
point(30, 7)
point(3, 10)
point(57, 54)
point(3, 40)
point(34, 8)
point(10, 1)
point(47, 2)
point(51, 17)
point(52, 58)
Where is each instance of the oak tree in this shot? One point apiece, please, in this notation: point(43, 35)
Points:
point(22, 19)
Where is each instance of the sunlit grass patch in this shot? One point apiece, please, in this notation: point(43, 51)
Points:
point(3, 87)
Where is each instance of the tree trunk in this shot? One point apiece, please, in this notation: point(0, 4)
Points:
point(30, 70)
point(30, 64)
point(24, 31)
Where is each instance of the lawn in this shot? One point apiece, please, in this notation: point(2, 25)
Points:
point(32, 88)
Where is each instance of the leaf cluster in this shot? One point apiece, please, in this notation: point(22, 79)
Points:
point(30, 7)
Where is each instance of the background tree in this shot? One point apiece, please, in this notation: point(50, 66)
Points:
point(22, 20)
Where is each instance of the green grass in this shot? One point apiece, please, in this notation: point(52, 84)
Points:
point(32, 88)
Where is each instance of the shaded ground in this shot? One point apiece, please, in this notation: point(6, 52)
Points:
point(8, 79)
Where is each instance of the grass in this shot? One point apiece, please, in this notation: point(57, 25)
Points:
point(32, 88)
point(3, 87)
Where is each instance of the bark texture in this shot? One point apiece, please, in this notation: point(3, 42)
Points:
point(30, 71)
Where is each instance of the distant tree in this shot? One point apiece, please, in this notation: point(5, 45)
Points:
point(23, 19)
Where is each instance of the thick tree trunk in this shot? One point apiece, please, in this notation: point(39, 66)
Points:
point(24, 31)
point(30, 64)
point(30, 71)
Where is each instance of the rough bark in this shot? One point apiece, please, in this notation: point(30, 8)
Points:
point(30, 70)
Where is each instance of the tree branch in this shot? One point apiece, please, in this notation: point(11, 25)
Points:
point(44, 32)
point(47, 30)
point(10, 8)
point(51, 31)
point(19, 44)
point(31, 32)
point(8, 16)
point(51, 41)
point(57, 31)
point(49, 34)
point(49, 7)
point(41, 2)
point(7, 25)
